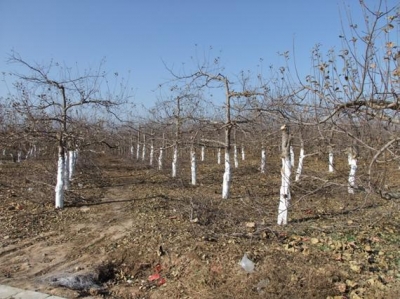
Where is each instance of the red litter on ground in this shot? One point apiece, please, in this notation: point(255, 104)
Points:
point(156, 276)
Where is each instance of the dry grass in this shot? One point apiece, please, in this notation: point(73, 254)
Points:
point(335, 244)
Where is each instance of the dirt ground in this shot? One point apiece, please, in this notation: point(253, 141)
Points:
point(131, 231)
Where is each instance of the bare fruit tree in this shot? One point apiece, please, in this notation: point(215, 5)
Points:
point(358, 88)
point(53, 95)
point(207, 78)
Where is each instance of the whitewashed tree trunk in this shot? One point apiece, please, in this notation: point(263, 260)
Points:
point(330, 159)
point(301, 156)
point(19, 156)
point(138, 145)
point(263, 160)
point(151, 154)
point(144, 148)
point(178, 126)
point(66, 170)
point(219, 156)
point(59, 189)
point(161, 155)
point(29, 153)
point(243, 153)
point(203, 150)
point(138, 151)
point(300, 165)
point(227, 176)
point(285, 195)
point(76, 155)
point(132, 151)
point(193, 165)
point(292, 156)
point(235, 155)
point(352, 156)
point(174, 161)
point(71, 165)
point(160, 159)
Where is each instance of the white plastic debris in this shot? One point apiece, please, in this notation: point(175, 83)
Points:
point(76, 282)
point(247, 264)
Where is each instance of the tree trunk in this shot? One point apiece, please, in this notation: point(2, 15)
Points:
point(59, 189)
point(263, 160)
point(193, 165)
point(174, 161)
point(144, 148)
point(300, 165)
point(285, 196)
point(292, 162)
point(160, 159)
point(227, 176)
point(151, 154)
point(352, 156)
point(235, 154)
point(330, 159)
point(137, 151)
point(138, 146)
point(66, 170)
point(72, 162)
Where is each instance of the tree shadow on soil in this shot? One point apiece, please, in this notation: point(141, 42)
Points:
point(326, 216)
point(79, 205)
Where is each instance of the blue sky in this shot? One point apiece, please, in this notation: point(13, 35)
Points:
point(137, 36)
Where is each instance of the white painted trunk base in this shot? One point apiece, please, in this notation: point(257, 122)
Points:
point(174, 161)
point(66, 171)
point(160, 159)
point(219, 156)
point(193, 166)
point(59, 189)
point(292, 156)
point(300, 165)
point(235, 155)
point(352, 174)
point(151, 154)
point(284, 200)
point(203, 150)
point(263, 161)
point(226, 184)
point(143, 152)
point(330, 159)
point(138, 151)
point(72, 161)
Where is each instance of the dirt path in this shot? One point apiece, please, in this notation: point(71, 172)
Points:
point(31, 263)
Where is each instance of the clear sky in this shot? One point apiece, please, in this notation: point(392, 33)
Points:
point(138, 36)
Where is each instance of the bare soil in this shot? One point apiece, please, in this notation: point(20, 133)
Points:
point(138, 233)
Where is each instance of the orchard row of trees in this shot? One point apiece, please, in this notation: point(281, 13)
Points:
point(348, 104)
